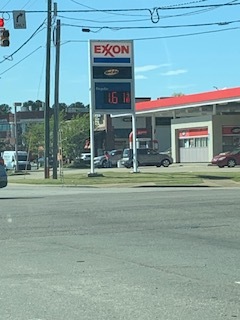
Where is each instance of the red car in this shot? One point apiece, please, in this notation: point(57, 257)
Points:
point(229, 159)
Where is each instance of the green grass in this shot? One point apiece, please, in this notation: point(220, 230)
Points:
point(122, 178)
point(235, 176)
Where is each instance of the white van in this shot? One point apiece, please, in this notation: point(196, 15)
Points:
point(9, 158)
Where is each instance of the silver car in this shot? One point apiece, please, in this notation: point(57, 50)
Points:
point(114, 156)
point(146, 157)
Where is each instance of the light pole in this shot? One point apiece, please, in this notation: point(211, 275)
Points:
point(16, 104)
point(56, 101)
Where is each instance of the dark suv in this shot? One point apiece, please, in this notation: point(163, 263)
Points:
point(3, 174)
point(146, 157)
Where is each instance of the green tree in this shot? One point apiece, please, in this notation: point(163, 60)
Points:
point(33, 138)
point(74, 134)
point(4, 109)
point(77, 105)
point(34, 106)
point(62, 107)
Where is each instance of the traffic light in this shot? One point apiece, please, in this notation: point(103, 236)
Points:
point(1, 22)
point(4, 37)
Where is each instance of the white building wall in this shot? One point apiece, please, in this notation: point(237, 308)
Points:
point(213, 123)
point(187, 123)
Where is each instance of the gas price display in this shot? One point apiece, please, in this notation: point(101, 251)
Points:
point(113, 96)
point(117, 97)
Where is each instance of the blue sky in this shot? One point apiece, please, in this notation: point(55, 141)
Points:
point(167, 58)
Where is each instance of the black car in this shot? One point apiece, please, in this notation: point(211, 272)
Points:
point(3, 175)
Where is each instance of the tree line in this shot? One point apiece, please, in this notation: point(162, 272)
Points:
point(39, 105)
point(72, 133)
point(72, 136)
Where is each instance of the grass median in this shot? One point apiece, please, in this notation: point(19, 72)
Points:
point(128, 178)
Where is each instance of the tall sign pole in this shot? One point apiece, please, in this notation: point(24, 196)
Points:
point(16, 104)
point(112, 80)
point(47, 90)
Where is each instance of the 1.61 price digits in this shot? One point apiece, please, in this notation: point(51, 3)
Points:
point(117, 97)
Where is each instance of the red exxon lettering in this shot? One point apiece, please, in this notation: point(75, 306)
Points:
point(110, 50)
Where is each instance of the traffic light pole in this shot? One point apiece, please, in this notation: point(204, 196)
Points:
point(47, 90)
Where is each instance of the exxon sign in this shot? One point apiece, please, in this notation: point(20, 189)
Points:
point(111, 52)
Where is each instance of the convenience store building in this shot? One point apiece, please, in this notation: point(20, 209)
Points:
point(200, 125)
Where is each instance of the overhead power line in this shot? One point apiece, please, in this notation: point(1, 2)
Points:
point(20, 61)
point(135, 9)
point(221, 23)
point(9, 57)
point(136, 39)
point(165, 37)
point(186, 34)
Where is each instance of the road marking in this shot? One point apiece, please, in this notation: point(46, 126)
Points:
point(237, 282)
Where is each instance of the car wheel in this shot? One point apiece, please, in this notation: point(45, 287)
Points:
point(165, 163)
point(219, 166)
point(104, 164)
point(231, 163)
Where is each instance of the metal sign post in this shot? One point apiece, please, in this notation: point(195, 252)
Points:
point(16, 104)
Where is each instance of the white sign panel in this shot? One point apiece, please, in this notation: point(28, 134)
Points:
point(19, 19)
point(109, 52)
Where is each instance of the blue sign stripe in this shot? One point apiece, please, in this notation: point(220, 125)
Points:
point(111, 60)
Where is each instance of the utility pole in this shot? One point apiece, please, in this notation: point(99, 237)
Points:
point(56, 100)
point(16, 104)
point(47, 90)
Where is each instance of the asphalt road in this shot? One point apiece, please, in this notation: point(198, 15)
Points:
point(129, 253)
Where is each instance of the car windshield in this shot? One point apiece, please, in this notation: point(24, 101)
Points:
point(236, 151)
point(22, 158)
point(126, 153)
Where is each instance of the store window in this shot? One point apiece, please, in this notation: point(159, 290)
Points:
point(194, 143)
point(230, 138)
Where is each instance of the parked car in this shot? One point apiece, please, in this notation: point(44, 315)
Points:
point(146, 157)
point(41, 162)
point(86, 157)
point(227, 159)
point(2, 161)
point(168, 151)
point(114, 156)
point(13, 160)
point(3, 176)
